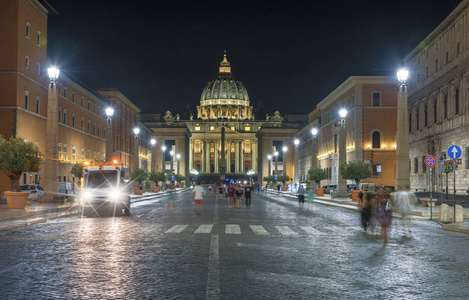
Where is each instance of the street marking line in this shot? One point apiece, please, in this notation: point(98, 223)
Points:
point(206, 228)
point(312, 230)
point(285, 230)
point(213, 277)
point(176, 229)
point(232, 229)
point(259, 230)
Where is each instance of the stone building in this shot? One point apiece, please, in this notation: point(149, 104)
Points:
point(306, 149)
point(438, 100)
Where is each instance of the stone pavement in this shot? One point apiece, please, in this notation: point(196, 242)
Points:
point(419, 212)
point(44, 212)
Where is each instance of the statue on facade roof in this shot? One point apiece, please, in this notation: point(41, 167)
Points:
point(168, 117)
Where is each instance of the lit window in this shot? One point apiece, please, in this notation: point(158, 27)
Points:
point(65, 152)
point(232, 128)
point(197, 128)
point(212, 127)
point(59, 149)
point(247, 128)
point(74, 154)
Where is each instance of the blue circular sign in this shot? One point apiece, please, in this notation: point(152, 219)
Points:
point(454, 152)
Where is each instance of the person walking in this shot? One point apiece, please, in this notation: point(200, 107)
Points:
point(197, 196)
point(238, 194)
point(384, 212)
point(230, 194)
point(301, 197)
point(366, 206)
point(247, 195)
point(221, 190)
point(278, 188)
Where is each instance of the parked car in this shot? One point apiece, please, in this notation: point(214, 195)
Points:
point(351, 187)
point(329, 188)
point(35, 190)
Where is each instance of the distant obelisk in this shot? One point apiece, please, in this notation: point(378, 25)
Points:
point(223, 160)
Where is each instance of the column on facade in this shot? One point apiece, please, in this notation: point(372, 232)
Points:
point(191, 155)
point(237, 150)
point(202, 167)
point(216, 156)
point(207, 158)
point(241, 153)
point(254, 155)
point(228, 156)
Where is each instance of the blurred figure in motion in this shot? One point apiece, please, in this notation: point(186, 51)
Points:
point(197, 196)
point(404, 202)
point(366, 207)
point(384, 212)
point(311, 194)
point(238, 194)
point(301, 197)
point(221, 191)
point(230, 195)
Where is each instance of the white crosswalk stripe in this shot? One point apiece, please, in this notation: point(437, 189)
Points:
point(312, 230)
point(285, 230)
point(232, 229)
point(176, 229)
point(259, 230)
point(205, 228)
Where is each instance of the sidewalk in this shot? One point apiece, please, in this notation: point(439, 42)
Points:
point(45, 212)
point(418, 213)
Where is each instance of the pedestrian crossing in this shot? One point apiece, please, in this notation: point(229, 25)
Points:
point(236, 229)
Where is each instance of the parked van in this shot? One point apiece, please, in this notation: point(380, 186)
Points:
point(371, 186)
point(65, 188)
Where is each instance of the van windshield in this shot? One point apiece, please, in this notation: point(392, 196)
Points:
point(102, 178)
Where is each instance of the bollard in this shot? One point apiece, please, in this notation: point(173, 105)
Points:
point(444, 213)
point(459, 214)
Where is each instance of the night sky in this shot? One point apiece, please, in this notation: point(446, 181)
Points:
point(288, 54)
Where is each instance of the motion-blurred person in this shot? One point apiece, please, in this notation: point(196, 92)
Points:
point(301, 197)
point(197, 196)
point(221, 190)
point(404, 202)
point(238, 195)
point(230, 194)
point(384, 212)
point(366, 206)
point(247, 195)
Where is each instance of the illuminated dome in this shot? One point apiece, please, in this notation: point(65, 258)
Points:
point(224, 96)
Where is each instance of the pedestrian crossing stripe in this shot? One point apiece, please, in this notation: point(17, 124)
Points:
point(206, 228)
point(232, 229)
point(312, 230)
point(285, 230)
point(177, 229)
point(259, 230)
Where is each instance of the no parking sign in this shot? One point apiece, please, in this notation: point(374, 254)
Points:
point(430, 161)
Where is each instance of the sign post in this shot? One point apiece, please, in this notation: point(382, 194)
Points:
point(378, 170)
point(454, 153)
point(430, 161)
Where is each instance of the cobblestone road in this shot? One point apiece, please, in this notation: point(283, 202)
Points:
point(270, 251)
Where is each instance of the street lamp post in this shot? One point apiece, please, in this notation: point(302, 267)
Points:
point(342, 183)
point(109, 147)
point(296, 175)
point(269, 158)
point(276, 162)
point(284, 167)
point(135, 154)
point(172, 166)
point(163, 162)
point(153, 155)
point(51, 167)
point(314, 158)
point(178, 157)
point(402, 143)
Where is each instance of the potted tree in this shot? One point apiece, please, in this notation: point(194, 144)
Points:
point(180, 178)
point(269, 179)
point(284, 178)
point(357, 170)
point(77, 172)
point(316, 175)
point(139, 175)
point(157, 177)
point(16, 158)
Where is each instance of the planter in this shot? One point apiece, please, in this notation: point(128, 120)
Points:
point(172, 187)
point(138, 191)
point(319, 192)
point(17, 199)
point(155, 189)
point(355, 195)
point(180, 186)
point(284, 188)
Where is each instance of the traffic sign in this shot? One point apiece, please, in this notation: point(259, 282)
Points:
point(442, 160)
point(378, 168)
point(458, 161)
point(275, 177)
point(454, 152)
point(430, 161)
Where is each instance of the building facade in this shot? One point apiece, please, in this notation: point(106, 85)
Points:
point(438, 98)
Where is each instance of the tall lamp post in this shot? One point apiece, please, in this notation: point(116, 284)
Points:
point(276, 162)
point(178, 157)
point(296, 142)
point(284, 149)
point(172, 166)
point(153, 155)
point(342, 183)
point(314, 158)
point(402, 143)
point(51, 167)
point(163, 161)
point(109, 147)
point(269, 158)
point(135, 156)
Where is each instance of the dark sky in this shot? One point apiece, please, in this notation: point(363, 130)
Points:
point(289, 54)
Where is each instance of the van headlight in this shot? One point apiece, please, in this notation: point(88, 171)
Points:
point(114, 194)
point(86, 195)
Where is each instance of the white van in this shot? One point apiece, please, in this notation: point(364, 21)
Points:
point(371, 186)
point(65, 188)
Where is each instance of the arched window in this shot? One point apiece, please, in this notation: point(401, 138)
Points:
point(376, 140)
point(456, 101)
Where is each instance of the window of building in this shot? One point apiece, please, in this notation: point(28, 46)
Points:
point(410, 122)
point(73, 97)
point(94, 129)
point(82, 153)
point(197, 128)
point(94, 108)
point(99, 129)
point(65, 116)
point(247, 128)
point(59, 149)
point(447, 57)
point(88, 154)
point(38, 68)
point(416, 165)
point(88, 127)
point(82, 124)
point(82, 100)
point(98, 111)
point(28, 29)
point(436, 65)
point(65, 92)
point(456, 101)
point(38, 105)
point(376, 99)
point(212, 127)
point(26, 62)
point(232, 128)
point(104, 132)
point(65, 152)
point(445, 107)
point(39, 38)
point(73, 120)
point(88, 105)
point(426, 115)
point(26, 99)
point(424, 166)
point(60, 114)
point(376, 140)
point(417, 115)
point(375, 169)
point(435, 110)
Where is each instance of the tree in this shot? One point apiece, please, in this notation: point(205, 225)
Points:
point(139, 175)
point(316, 175)
point(269, 179)
point(284, 178)
point(77, 170)
point(18, 157)
point(158, 176)
point(357, 170)
point(179, 178)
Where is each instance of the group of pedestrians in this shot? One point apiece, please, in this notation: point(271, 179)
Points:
point(376, 210)
point(235, 194)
